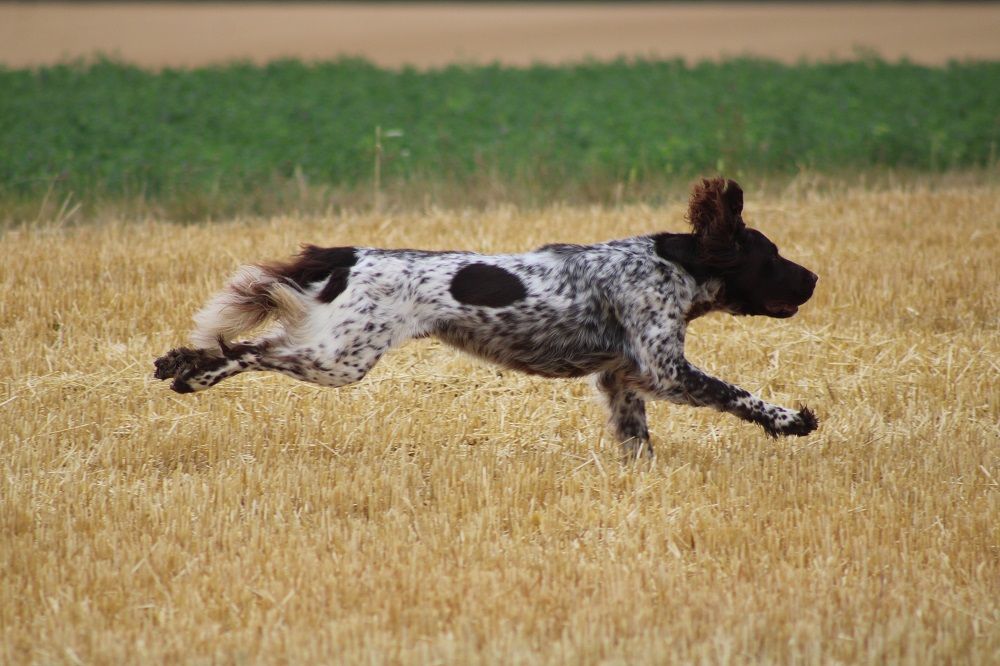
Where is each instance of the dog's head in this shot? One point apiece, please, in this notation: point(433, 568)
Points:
point(756, 279)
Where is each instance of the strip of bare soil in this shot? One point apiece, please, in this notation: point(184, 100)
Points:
point(167, 34)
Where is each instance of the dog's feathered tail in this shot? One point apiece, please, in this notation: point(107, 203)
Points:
point(255, 295)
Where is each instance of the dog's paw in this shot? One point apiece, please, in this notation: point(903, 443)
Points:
point(808, 421)
point(634, 450)
point(186, 367)
point(802, 423)
point(174, 363)
point(788, 423)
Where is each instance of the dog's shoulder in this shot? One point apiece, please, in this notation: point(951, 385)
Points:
point(625, 273)
point(658, 273)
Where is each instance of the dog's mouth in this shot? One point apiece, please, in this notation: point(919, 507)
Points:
point(780, 310)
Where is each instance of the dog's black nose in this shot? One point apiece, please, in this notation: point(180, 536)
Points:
point(807, 285)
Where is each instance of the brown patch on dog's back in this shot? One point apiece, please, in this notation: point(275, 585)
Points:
point(314, 264)
point(486, 285)
point(335, 285)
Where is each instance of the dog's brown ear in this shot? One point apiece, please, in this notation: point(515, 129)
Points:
point(732, 195)
point(716, 215)
point(716, 208)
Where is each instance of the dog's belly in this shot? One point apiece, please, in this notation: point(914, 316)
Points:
point(552, 353)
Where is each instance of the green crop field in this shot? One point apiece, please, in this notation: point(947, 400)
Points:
point(246, 138)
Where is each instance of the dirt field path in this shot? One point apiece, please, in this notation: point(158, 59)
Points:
point(432, 35)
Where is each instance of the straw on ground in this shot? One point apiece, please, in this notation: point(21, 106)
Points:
point(445, 511)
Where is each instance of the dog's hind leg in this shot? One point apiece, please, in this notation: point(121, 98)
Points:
point(627, 414)
point(198, 369)
point(337, 362)
point(330, 344)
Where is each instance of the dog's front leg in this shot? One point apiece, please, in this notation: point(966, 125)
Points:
point(664, 373)
point(626, 414)
point(683, 383)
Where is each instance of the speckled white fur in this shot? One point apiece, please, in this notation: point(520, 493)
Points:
point(615, 310)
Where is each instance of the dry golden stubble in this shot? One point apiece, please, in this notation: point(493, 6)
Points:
point(443, 510)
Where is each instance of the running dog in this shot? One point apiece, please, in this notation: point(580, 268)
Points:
point(616, 310)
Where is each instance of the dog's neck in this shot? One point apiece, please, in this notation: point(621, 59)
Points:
point(707, 297)
point(681, 249)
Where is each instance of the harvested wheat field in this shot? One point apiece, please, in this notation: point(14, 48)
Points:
point(442, 511)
